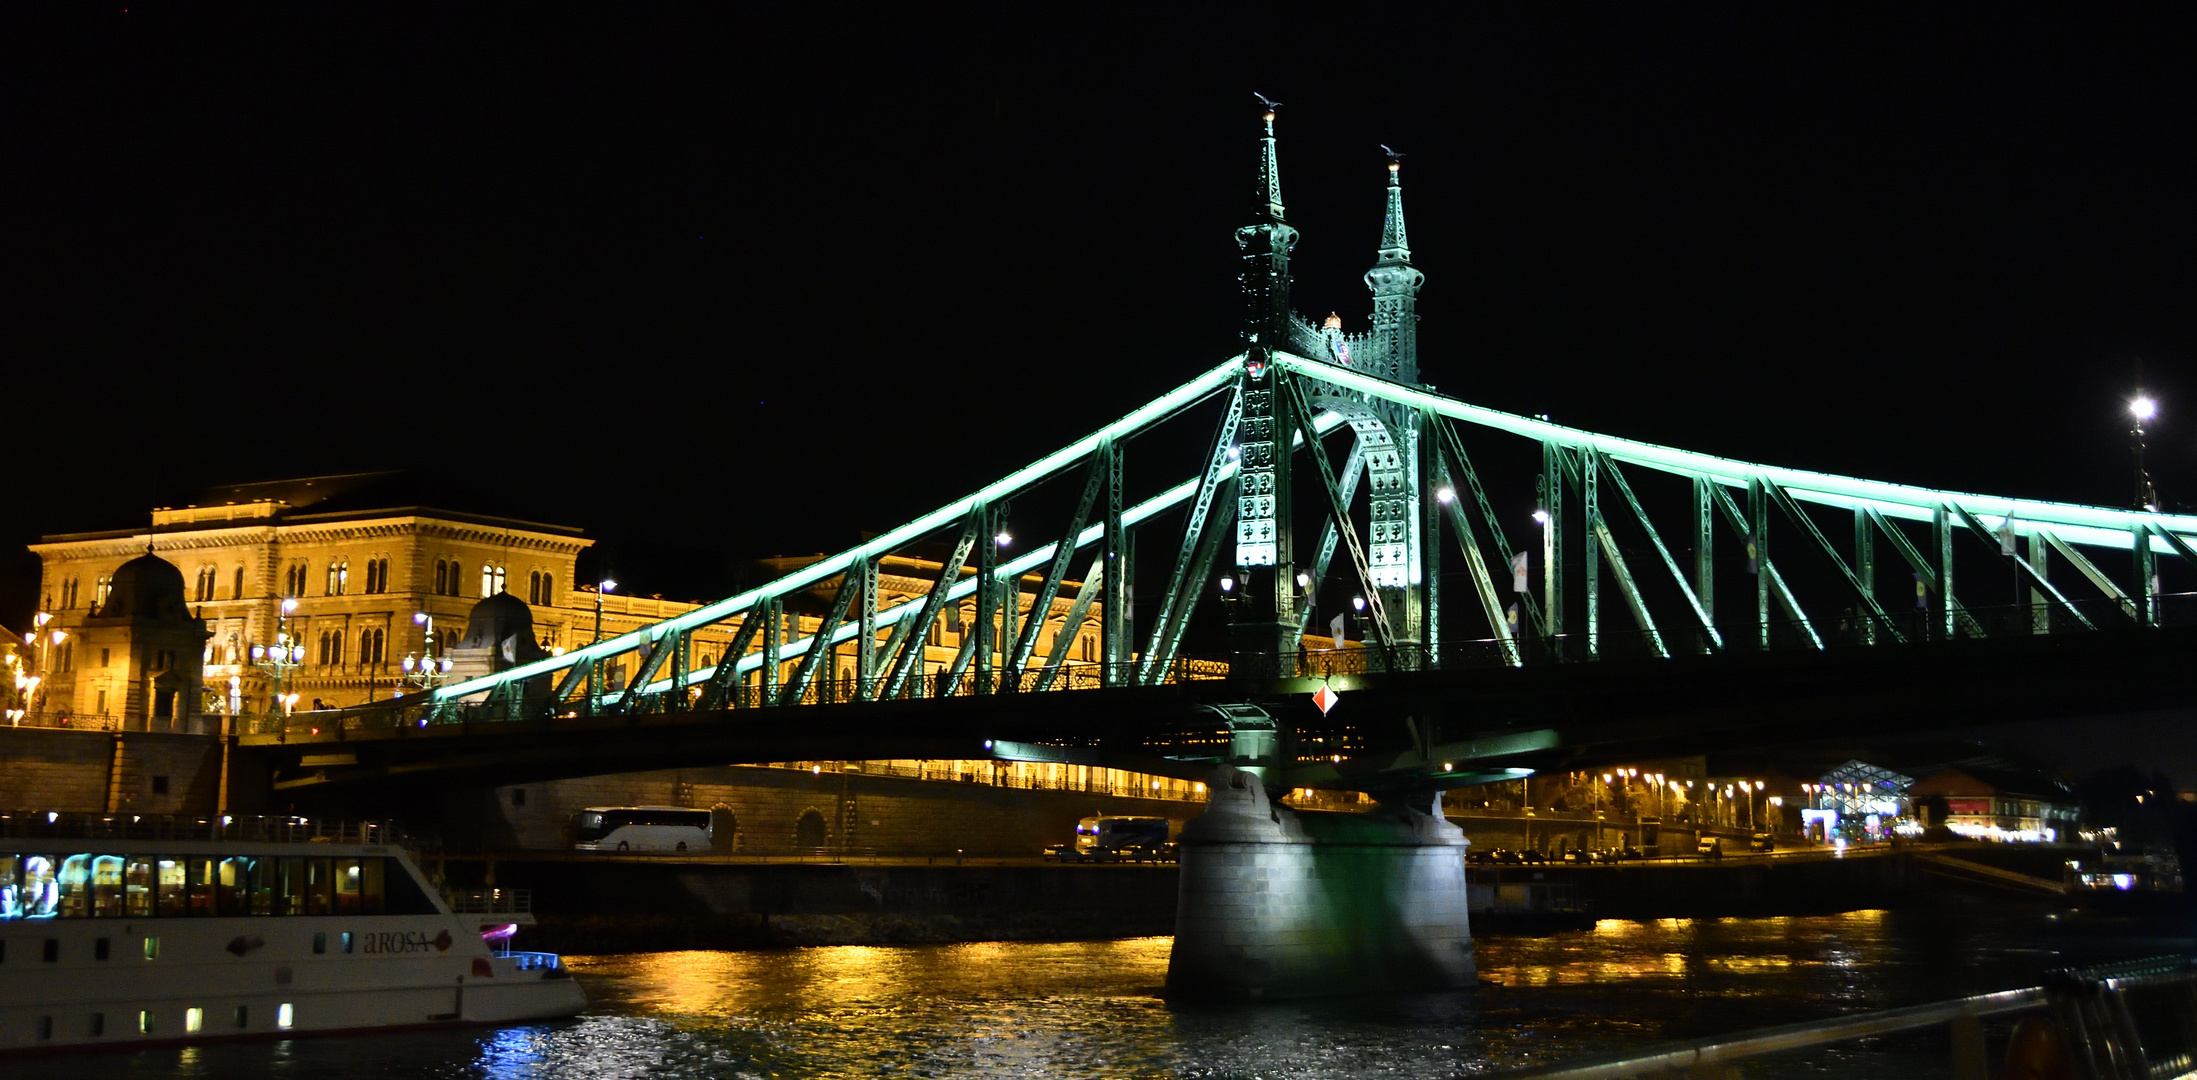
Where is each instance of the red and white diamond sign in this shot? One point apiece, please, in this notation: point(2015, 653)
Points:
point(1325, 698)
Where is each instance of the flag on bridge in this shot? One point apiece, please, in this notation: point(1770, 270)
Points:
point(1518, 566)
point(1325, 698)
point(1335, 630)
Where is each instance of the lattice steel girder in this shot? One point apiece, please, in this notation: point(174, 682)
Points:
point(1476, 567)
point(1775, 586)
point(865, 653)
point(1460, 465)
point(1353, 466)
point(1701, 615)
point(654, 661)
point(909, 635)
point(2088, 569)
point(1114, 624)
point(2051, 593)
point(849, 584)
point(2090, 526)
point(1158, 410)
point(1041, 605)
point(1341, 512)
point(1922, 566)
point(1167, 637)
point(773, 635)
point(1184, 585)
point(1619, 571)
point(721, 680)
point(1072, 626)
point(1862, 592)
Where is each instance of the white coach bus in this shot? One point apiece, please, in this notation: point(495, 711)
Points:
point(641, 828)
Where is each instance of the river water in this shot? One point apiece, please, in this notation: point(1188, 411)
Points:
point(1092, 1009)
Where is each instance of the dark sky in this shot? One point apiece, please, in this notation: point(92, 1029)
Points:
point(738, 285)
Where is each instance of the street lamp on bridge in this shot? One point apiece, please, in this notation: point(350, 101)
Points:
point(277, 659)
point(601, 587)
point(2142, 409)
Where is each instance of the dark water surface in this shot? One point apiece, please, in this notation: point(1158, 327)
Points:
point(1092, 1009)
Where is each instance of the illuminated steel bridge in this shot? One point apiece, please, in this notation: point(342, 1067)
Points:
point(1511, 586)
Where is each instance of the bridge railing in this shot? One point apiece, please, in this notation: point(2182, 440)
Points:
point(268, 829)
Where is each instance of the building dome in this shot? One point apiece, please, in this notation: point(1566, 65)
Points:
point(147, 588)
point(495, 619)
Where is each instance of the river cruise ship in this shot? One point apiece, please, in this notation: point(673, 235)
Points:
point(118, 931)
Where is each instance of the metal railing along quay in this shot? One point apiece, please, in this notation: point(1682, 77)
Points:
point(2130, 1021)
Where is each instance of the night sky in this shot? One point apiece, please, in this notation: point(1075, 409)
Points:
point(703, 281)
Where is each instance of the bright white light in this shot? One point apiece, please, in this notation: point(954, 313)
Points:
point(1228, 584)
point(1541, 516)
point(1445, 495)
point(1235, 452)
point(408, 665)
point(605, 585)
point(1304, 581)
point(59, 636)
point(1003, 539)
point(419, 616)
point(289, 606)
point(1357, 603)
point(2143, 408)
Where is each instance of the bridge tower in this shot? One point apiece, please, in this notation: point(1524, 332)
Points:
point(1265, 555)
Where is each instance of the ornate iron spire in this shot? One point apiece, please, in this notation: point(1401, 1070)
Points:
point(1395, 284)
point(1266, 245)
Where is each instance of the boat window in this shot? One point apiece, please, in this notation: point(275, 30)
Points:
point(194, 1018)
point(11, 895)
point(76, 887)
point(107, 886)
point(39, 896)
point(233, 887)
point(244, 1016)
point(152, 948)
point(371, 891)
point(290, 888)
point(200, 872)
point(283, 1015)
point(172, 896)
point(137, 886)
point(347, 942)
point(347, 887)
point(320, 941)
point(405, 896)
point(263, 886)
point(319, 886)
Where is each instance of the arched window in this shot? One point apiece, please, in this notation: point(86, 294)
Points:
point(548, 596)
point(335, 649)
point(808, 834)
point(339, 576)
point(323, 654)
point(442, 577)
point(379, 642)
point(491, 579)
point(366, 647)
point(533, 586)
point(382, 566)
point(237, 591)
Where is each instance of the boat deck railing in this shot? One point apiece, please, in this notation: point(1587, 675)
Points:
point(2131, 1021)
point(492, 901)
point(536, 961)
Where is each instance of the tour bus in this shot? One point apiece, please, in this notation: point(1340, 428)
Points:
point(641, 828)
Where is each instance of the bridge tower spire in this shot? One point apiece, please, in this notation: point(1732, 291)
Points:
point(1265, 553)
point(1266, 244)
point(1395, 284)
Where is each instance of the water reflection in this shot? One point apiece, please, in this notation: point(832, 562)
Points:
point(1092, 1009)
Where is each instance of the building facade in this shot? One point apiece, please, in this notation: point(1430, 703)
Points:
point(304, 607)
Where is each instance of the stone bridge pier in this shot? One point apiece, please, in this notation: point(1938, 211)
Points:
point(1276, 902)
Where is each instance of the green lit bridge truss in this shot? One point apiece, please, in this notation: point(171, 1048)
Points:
point(1408, 457)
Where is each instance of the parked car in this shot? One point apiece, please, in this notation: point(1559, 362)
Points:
point(1763, 842)
point(1711, 846)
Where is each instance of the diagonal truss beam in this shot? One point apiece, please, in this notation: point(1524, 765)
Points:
point(1592, 463)
point(1925, 570)
point(1693, 602)
point(1341, 512)
point(1042, 604)
point(1184, 583)
point(910, 634)
point(1476, 567)
point(1778, 589)
point(2106, 585)
point(2036, 580)
point(1862, 593)
point(1072, 627)
point(849, 584)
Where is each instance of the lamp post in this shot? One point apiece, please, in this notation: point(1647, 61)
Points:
point(601, 587)
point(424, 672)
point(277, 659)
point(2142, 409)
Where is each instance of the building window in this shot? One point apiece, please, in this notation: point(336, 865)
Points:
point(237, 591)
point(491, 579)
point(442, 578)
point(68, 592)
point(339, 576)
point(371, 643)
point(548, 598)
point(104, 585)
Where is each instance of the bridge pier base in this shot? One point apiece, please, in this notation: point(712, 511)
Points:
point(1278, 903)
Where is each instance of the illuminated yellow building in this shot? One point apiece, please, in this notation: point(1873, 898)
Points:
point(341, 598)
